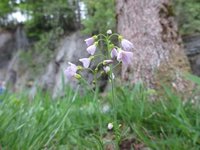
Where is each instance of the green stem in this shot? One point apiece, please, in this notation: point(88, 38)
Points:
point(86, 83)
point(95, 100)
point(114, 34)
point(89, 70)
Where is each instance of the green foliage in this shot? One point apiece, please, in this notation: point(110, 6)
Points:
point(188, 15)
point(6, 7)
point(100, 16)
point(78, 122)
point(42, 16)
point(47, 15)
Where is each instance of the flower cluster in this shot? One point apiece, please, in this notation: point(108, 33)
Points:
point(121, 54)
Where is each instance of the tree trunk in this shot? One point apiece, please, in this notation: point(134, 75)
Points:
point(158, 52)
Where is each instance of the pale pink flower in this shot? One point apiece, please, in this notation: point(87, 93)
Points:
point(107, 62)
point(85, 61)
point(106, 69)
point(113, 53)
point(125, 57)
point(89, 41)
point(71, 70)
point(91, 49)
point(126, 45)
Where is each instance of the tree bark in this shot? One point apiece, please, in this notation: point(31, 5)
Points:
point(158, 52)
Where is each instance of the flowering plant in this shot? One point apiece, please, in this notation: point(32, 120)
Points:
point(109, 56)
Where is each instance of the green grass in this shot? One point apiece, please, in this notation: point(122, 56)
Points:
point(76, 121)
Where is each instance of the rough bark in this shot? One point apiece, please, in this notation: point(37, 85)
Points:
point(158, 52)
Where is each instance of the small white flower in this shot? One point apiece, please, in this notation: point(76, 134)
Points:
point(110, 126)
point(106, 69)
point(109, 31)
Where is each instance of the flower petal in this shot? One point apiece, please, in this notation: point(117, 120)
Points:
point(113, 53)
point(71, 70)
point(126, 45)
point(85, 61)
point(89, 41)
point(107, 62)
point(125, 57)
point(106, 69)
point(73, 66)
point(91, 49)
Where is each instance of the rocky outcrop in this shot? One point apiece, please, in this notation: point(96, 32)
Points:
point(192, 47)
point(7, 48)
point(11, 42)
point(70, 49)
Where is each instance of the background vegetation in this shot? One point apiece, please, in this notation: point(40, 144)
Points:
point(188, 16)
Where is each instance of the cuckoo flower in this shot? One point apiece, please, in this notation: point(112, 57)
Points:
point(85, 61)
point(107, 62)
point(113, 53)
point(125, 57)
point(89, 41)
point(126, 45)
point(91, 49)
point(71, 70)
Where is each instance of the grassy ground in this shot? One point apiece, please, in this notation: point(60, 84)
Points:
point(79, 121)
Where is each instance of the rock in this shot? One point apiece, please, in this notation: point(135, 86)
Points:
point(192, 48)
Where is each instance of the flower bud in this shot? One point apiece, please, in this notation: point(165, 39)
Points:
point(110, 126)
point(77, 76)
point(106, 69)
point(120, 38)
point(95, 37)
point(107, 62)
point(109, 31)
point(79, 68)
point(94, 82)
point(96, 69)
